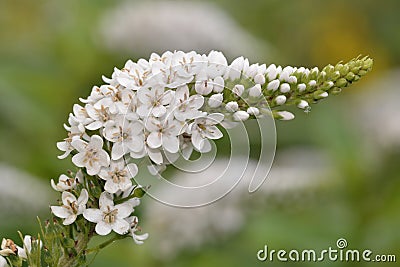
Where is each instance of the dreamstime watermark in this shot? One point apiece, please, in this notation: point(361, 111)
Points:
point(338, 253)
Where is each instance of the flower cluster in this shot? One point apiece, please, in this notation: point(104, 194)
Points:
point(16, 254)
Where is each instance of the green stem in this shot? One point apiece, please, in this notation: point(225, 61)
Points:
point(105, 244)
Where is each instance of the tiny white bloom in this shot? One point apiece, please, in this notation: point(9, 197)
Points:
point(255, 91)
point(215, 100)
point(27, 247)
point(272, 72)
point(238, 89)
point(219, 84)
point(312, 83)
point(240, 115)
point(301, 87)
point(323, 95)
point(163, 134)
point(186, 106)
point(118, 176)
point(253, 111)
point(67, 183)
point(232, 106)
point(280, 99)
point(203, 87)
point(138, 239)
point(90, 155)
point(8, 248)
point(285, 115)
point(109, 217)
point(292, 79)
point(259, 78)
point(285, 88)
point(273, 85)
point(153, 101)
point(303, 104)
point(204, 128)
point(71, 207)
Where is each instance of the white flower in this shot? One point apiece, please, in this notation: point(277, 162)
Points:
point(203, 87)
point(90, 155)
point(301, 87)
point(255, 91)
point(285, 115)
point(27, 247)
point(219, 84)
point(126, 135)
point(232, 106)
point(204, 128)
point(138, 239)
point(100, 116)
point(109, 217)
point(8, 248)
point(75, 131)
point(285, 88)
point(303, 104)
point(240, 115)
point(153, 101)
point(280, 99)
point(272, 72)
point(259, 78)
point(215, 100)
point(71, 207)
point(118, 176)
point(312, 83)
point(164, 133)
point(67, 183)
point(238, 89)
point(186, 106)
point(253, 111)
point(273, 85)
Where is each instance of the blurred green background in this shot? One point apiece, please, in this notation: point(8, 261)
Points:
point(52, 52)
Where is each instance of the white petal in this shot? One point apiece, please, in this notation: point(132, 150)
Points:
point(79, 159)
point(155, 155)
point(214, 118)
point(103, 228)
point(79, 144)
point(70, 219)
point(170, 143)
point(111, 187)
point(197, 140)
point(93, 215)
point(60, 212)
point(158, 111)
point(96, 141)
point(120, 226)
point(154, 140)
point(117, 151)
point(105, 200)
point(124, 210)
point(132, 170)
point(213, 132)
point(83, 198)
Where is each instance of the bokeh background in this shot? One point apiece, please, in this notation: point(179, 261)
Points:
point(336, 173)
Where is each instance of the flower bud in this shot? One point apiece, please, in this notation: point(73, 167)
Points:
point(232, 106)
point(253, 111)
point(259, 78)
point(203, 88)
point(292, 79)
point(238, 89)
point(215, 100)
point(319, 94)
point(301, 87)
point(285, 88)
point(284, 115)
point(272, 72)
point(273, 85)
point(302, 104)
point(219, 84)
point(255, 91)
point(350, 76)
point(241, 115)
point(341, 82)
point(312, 83)
point(280, 100)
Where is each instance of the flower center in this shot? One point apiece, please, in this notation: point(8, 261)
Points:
point(109, 215)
